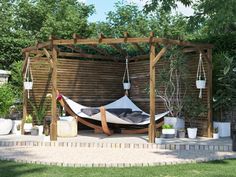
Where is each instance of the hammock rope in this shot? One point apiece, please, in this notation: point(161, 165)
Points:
point(126, 70)
point(28, 77)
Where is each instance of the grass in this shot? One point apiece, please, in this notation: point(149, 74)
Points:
point(222, 168)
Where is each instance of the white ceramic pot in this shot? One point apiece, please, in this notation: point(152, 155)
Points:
point(168, 133)
point(40, 127)
point(28, 127)
point(126, 86)
point(158, 140)
point(28, 85)
point(224, 128)
point(5, 126)
point(192, 132)
point(215, 135)
point(14, 126)
point(201, 84)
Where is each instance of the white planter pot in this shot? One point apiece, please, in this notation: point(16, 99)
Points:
point(215, 135)
point(46, 138)
point(40, 127)
point(28, 85)
point(126, 86)
point(158, 140)
point(168, 133)
point(5, 126)
point(176, 122)
point(14, 126)
point(192, 132)
point(223, 128)
point(28, 127)
point(201, 84)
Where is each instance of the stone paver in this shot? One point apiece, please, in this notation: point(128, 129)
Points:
point(106, 157)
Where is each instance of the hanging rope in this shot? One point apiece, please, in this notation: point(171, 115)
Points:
point(126, 73)
point(28, 77)
point(201, 75)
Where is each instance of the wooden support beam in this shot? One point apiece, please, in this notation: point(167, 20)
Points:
point(25, 112)
point(152, 129)
point(209, 93)
point(105, 127)
point(48, 56)
point(53, 126)
point(38, 46)
point(126, 35)
point(159, 55)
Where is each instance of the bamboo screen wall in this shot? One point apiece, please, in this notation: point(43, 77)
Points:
point(95, 83)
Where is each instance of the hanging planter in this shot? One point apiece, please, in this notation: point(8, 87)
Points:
point(126, 83)
point(28, 78)
point(201, 76)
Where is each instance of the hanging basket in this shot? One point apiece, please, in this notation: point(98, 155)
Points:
point(201, 84)
point(126, 85)
point(28, 85)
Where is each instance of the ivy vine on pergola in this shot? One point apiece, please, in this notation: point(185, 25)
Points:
point(51, 49)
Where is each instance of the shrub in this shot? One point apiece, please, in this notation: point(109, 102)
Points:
point(6, 99)
point(167, 126)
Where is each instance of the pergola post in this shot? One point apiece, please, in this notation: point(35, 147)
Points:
point(209, 93)
point(53, 126)
point(152, 128)
point(25, 112)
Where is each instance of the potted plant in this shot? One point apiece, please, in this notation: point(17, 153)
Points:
point(6, 101)
point(224, 91)
point(39, 113)
point(171, 86)
point(18, 132)
point(193, 108)
point(181, 133)
point(216, 133)
point(28, 124)
point(158, 139)
point(168, 131)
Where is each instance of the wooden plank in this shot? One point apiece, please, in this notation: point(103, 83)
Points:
point(137, 46)
point(53, 126)
point(105, 127)
point(38, 46)
point(48, 56)
point(209, 93)
point(25, 99)
point(152, 129)
point(159, 55)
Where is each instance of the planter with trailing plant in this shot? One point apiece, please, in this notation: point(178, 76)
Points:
point(216, 133)
point(172, 86)
point(168, 131)
point(6, 101)
point(193, 108)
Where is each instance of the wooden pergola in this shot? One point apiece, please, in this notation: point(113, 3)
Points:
point(51, 50)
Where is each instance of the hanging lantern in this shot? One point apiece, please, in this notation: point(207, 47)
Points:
point(201, 76)
point(28, 78)
point(126, 83)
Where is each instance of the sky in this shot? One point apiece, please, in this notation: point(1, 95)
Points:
point(104, 6)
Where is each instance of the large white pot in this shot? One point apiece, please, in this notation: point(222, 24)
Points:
point(192, 132)
point(5, 126)
point(14, 126)
point(176, 122)
point(126, 86)
point(28, 85)
point(201, 84)
point(28, 127)
point(223, 128)
point(215, 135)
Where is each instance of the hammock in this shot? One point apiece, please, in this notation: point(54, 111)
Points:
point(122, 111)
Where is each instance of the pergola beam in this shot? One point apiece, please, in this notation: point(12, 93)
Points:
point(159, 55)
point(126, 35)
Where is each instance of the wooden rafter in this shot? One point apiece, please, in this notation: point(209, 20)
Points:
point(139, 57)
point(99, 50)
point(158, 56)
point(136, 45)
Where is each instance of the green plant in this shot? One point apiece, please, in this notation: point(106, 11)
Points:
point(193, 108)
point(39, 112)
point(216, 130)
point(6, 99)
point(18, 127)
point(167, 126)
point(28, 119)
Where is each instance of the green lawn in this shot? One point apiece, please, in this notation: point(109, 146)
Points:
point(211, 169)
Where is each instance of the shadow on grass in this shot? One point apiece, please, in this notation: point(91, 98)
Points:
point(12, 169)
